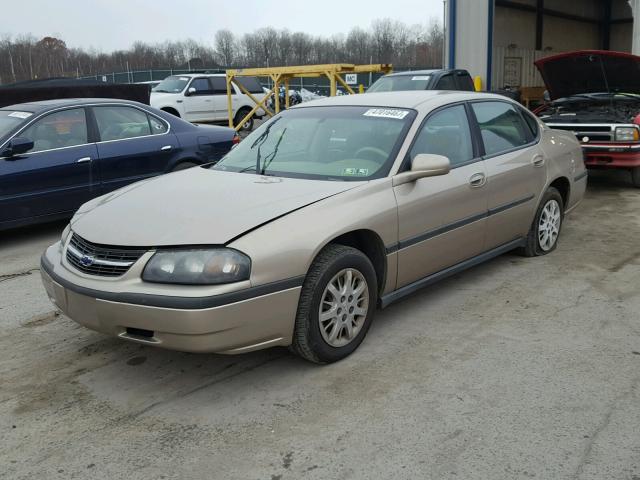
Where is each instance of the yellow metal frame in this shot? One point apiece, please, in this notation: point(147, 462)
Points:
point(282, 75)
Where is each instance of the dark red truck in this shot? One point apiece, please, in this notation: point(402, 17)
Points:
point(596, 95)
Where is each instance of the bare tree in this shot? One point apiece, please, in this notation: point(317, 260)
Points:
point(225, 42)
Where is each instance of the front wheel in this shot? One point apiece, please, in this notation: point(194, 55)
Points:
point(337, 304)
point(545, 229)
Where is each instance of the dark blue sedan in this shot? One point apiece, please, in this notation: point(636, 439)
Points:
point(57, 154)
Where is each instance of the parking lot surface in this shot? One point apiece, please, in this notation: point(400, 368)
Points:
point(520, 368)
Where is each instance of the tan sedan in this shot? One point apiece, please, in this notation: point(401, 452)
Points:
point(323, 214)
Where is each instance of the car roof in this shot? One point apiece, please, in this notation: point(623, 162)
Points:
point(415, 99)
point(191, 75)
point(42, 105)
point(432, 71)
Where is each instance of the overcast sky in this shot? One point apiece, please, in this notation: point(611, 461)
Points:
point(115, 24)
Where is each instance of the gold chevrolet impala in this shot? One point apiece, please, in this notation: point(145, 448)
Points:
point(324, 214)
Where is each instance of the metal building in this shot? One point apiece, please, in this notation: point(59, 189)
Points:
point(499, 40)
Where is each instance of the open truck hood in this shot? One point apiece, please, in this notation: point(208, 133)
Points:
point(590, 71)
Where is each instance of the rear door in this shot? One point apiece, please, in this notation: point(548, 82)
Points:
point(57, 175)
point(442, 219)
point(515, 169)
point(133, 145)
point(199, 104)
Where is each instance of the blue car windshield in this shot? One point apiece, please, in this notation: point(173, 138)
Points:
point(11, 120)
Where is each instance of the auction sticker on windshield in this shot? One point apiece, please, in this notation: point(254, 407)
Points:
point(386, 113)
point(21, 115)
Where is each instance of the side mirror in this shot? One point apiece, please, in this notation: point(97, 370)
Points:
point(191, 91)
point(424, 165)
point(17, 146)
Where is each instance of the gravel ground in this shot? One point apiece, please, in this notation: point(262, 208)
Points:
point(516, 369)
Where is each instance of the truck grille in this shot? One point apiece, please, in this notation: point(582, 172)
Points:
point(595, 133)
point(103, 260)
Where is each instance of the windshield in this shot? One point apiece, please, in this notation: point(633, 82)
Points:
point(400, 83)
point(10, 120)
point(173, 84)
point(326, 143)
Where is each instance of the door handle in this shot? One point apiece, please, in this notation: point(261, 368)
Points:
point(538, 161)
point(83, 160)
point(166, 148)
point(477, 180)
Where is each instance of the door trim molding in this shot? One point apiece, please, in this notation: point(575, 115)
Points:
point(402, 292)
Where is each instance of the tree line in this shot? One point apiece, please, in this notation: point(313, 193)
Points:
point(25, 57)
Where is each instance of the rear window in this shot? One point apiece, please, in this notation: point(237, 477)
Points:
point(401, 83)
point(252, 84)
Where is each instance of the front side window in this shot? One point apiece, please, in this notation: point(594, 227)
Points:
point(446, 133)
point(119, 122)
point(501, 126)
point(66, 128)
point(325, 143)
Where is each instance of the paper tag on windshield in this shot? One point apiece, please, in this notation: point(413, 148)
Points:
point(358, 172)
point(386, 113)
point(186, 79)
point(22, 115)
point(420, 77)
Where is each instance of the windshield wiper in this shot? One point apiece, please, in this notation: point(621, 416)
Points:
point(260, 141)
point(273, 154)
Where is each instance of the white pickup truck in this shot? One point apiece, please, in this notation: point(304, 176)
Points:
point(198, 97)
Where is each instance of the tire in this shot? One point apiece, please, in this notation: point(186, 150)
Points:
point(248, 125)
point(311, 336)
point(183, 166)
point(635, 177)
point(549, 216)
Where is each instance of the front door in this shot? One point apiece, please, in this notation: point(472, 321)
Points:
point(442, 220)
point(56, 176)
point(198, 104)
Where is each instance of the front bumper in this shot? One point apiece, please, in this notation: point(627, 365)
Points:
point(612, 156)
point(250, 319)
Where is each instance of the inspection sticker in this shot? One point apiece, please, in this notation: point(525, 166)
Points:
point(22, 115)
point(357, 172)
point(420, 77)
point(386, 113)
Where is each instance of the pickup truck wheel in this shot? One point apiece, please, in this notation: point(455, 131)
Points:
point(635, 176)
point(545, 229)
point(337, 304)
point(246, 126)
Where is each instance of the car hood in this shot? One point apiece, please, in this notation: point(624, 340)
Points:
point(590, 71)
point(158, 98)
point(197, 206)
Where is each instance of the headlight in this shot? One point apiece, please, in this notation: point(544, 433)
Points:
point(627, 134)
point(210, 266)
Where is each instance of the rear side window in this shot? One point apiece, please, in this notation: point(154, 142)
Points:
point(119, 122)
point(219, 85)
point(465, 83)
point(157, 126)
point(67, 128)
point(446, 83)
point(532, 123)
point(501, 126)
point(446, 133)
point(252, 84)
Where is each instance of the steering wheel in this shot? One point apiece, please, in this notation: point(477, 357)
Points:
point(378, 151)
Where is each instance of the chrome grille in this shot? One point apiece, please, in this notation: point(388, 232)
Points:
point(103, 260)
point(595, 133)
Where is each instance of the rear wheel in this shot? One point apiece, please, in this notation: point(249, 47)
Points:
point(545, 229)
point(246, 126)
point(337, 304)
point(635, 176)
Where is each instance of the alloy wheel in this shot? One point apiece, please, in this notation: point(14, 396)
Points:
point(344, 307)
point(549, 225)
